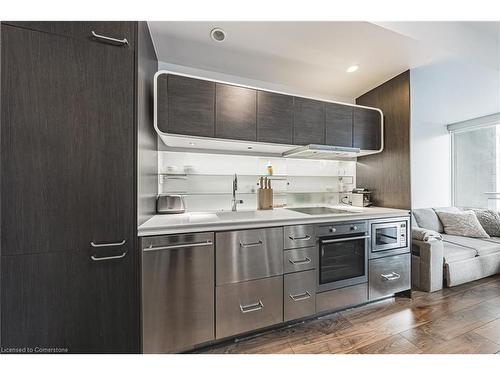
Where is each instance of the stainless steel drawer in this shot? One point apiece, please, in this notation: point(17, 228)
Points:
point(341, 298)
point(298, 236)
point(388, 275)
point(299, 259)
point(299, 295)
point(248, 255)
point(248, 306)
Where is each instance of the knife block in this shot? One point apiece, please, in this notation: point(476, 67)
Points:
point(265, 199)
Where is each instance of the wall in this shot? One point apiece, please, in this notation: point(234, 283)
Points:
point(206, 179)
point(443, 93)
point(387, 174)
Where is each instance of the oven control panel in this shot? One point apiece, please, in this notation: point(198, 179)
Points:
point(335, 229)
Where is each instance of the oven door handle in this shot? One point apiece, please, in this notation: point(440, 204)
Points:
point(345, 239)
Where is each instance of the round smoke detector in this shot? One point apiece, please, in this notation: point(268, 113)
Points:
point(218, 34)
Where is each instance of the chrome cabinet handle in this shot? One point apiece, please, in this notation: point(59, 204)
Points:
point(107, 244)
point(345, 239)
point(306, 237)
point(180, 246)
point(301, 261)
point(107, 39)
point(301, 296)
point(97, 259)
point(254, 244)
point(253, 307)
point(390, 276)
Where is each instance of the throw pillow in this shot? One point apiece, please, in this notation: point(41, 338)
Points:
point(489, 220)
point(462, 223)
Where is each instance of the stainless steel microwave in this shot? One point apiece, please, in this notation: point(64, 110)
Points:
point(388, 235)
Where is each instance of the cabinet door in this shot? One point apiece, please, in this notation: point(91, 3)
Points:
point(274, 117)
point(235, 113)
point(43, 142)
point(367, 131)
point(65, 300)
point(185, 105)
point(111, 29)
point(67, 142)
point(339, 125)
point(309, 122)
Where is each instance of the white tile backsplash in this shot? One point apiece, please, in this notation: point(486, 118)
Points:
point(206, 179)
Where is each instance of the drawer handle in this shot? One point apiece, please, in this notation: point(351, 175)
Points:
point(180, 246)
point(107, 39)
point(390, 276)
point(301, 261)
point(97, 259)
point(253, 244)
point(305, 238)
point(253, 307)
point(301, 296)
point(108, 244)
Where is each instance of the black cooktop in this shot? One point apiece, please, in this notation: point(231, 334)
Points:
point(318, 210)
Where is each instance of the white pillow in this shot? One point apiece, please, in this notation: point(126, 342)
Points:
point(463, 223)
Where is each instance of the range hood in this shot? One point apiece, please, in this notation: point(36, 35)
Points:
point(322, 152)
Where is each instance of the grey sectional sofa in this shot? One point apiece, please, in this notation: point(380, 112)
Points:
point(453, 260)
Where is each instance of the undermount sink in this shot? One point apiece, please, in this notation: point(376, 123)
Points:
point(228, 215)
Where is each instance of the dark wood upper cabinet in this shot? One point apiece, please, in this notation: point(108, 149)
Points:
point(274, 117)
point(235, 113)
point(186, 105)
point(339, 124)
point(197, 107)
point(309, 122)
point(83, 30)
point(367, 132)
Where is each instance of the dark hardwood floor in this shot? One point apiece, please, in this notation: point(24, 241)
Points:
point(460, 320)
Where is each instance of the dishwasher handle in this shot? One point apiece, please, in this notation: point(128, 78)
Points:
point(179, 246)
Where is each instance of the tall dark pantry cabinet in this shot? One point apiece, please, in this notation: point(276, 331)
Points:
point(77, 176)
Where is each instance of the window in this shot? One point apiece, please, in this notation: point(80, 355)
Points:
point(476, 163)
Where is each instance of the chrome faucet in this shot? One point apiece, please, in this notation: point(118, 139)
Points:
point(235, 187)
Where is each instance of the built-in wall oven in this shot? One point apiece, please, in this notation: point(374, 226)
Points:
point(343, 254)
point(389, 236)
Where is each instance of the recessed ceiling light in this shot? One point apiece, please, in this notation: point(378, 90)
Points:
point(352, 68)
point(249, 147)
point(191, 143)
point(218, 34)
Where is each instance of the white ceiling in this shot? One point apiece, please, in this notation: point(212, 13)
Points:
point(307, 56)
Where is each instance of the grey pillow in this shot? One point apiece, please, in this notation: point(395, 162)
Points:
point(427, 218)
point(463, 223)
point(489, 220)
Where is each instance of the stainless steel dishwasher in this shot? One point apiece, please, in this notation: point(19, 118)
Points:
point(177, 292)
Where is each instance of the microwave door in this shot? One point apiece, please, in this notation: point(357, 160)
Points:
point(386, 236)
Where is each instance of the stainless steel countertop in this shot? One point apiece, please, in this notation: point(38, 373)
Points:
point(244, 219)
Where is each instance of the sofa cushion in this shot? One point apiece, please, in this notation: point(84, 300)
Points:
point(489, 220)
point(414, 223)
point(427, 218)
point(463, 223)
point(481, 246)
point(455, 253)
